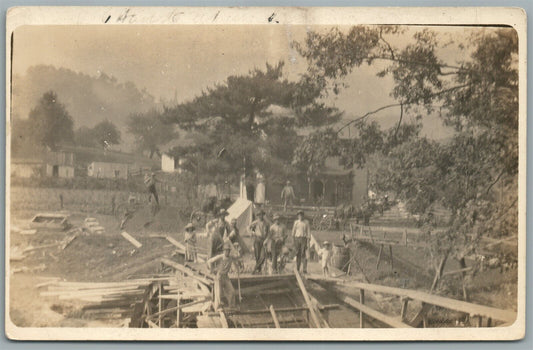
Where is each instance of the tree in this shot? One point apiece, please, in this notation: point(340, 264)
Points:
point(106, 133)
point(50, 123)
point(255, 118)
point(478, 97)
point(150, 131)
point(84, 136)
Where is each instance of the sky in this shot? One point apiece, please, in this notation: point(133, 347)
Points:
point(172, 61)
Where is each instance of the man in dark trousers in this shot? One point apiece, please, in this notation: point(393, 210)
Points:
point(277, 239)
point(259, 231)
point(217, 229)
point(223, 286)
point(302, 235)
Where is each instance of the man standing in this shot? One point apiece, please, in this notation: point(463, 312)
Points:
point(217, 229)
point(277, 239)
point(287, 195)
point(259, 231)
point(190, 242)
point(301, 234)
point(223, 286)
point(149, 182)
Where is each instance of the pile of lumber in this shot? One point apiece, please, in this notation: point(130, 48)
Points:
point(98, 292)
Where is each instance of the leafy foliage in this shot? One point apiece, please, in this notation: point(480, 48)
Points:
point(49, 123)
point(254, 118)
point(478, 97)
point(150, 131)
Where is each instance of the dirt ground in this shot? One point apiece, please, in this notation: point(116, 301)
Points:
point(109, 257)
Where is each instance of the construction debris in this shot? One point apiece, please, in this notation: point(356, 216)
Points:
point(130, 239)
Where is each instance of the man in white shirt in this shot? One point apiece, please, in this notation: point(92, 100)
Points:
point(301, 234)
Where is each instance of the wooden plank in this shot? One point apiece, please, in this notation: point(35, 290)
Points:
point(223, 320)
point(447, 303)
point(388, 320)
point(175, 308)
point(262, 278)
point(281, 310)
point(130, 239)
point(262, 286)
point(361, 314)
point(274, 317)
point(187, 271)
point(314, 317)
point(403, 312)
point(176, 243)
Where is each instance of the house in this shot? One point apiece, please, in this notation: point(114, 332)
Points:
point(60, 164)
point(332, 186)
point(26, 168)
point(170, 164)
point(108, 170)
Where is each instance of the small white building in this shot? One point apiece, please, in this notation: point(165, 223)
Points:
point(64, 171)
point(170, 164)
point(107, 170)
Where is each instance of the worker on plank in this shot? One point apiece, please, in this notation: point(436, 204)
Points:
point(149, 182)
point(302, 235)
point(217, 229)
point(287, 195)
point(276, 241)
point(223, 286)
point(190, 243)
point(259, 230)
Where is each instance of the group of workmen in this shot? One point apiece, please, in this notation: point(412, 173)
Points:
point(269, 244)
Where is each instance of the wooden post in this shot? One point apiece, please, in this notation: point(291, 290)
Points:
point(391, 260)
point(379, 256)
point(405, 302)
point(178, 310)
point(159, 306)
point(462, 263)
point(479, 321)
point(274, 317)
point(223, 320)
point(361, 314)
point(312, 312)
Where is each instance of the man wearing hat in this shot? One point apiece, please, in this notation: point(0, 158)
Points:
point(277, 239)
point(259, 231)
point(190, 243)
point(217, 229)
point(223, 286)
point(287, 195)
point(301, 234)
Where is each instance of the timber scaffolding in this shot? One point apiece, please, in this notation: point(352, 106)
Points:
point(182, 296)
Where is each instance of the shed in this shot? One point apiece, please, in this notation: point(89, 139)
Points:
point(108, 170)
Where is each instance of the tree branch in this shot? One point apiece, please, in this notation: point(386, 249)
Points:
point(399, 121)
point(398, 105)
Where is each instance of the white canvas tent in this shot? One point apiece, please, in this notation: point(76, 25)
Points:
point(242, 210)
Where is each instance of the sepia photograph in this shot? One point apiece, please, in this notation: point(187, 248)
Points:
point(247, 174)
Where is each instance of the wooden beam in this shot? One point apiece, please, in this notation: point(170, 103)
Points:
point(431, 299)
point(301, 284)
point(388, 320)
point(175, 308)
point(361, 314)
point(379, 256)
point(403, 312)
point(274, 317)
point(281, 310)
point(176, 243)
point(132, 240)
point(187, 271)
point(263, 286)
point(223, 320)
